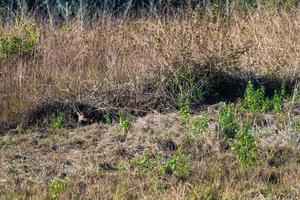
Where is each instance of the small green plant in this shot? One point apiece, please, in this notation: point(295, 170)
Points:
point(184, 106)
point(107, 119)
point(278, 103)
point(159, 188)
point(278, 100)
point(255, 100)
point(189, 89)
point(245, 147)
point(24, 44)
point(58, 122)
point(227, 124)
point(177, 165)
point(146, 162)
point(297, 126)
point(201, 125)
point(125, 122)
point(11, 45)
point(55, 189)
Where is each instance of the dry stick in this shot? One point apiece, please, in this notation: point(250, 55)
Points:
point(49, 14)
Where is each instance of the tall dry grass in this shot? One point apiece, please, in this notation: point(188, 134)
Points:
point(130, 63)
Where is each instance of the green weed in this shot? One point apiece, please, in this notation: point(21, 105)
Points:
point(227, 124)
point(243, 144)
point(245, 147)
point(177, 165)
point(125, 122)
point(107, 119)
point(188, 88)
point(58, 122)
point(184, 107)
point(201, 125)
point(255, 100)
point(24, 44)
point(146, 162)
point(278, 100)
point(297, 126)
point(56, 189)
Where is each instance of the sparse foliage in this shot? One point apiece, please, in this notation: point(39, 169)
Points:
point(245, 147)
point(177, 165)
point(227, 123)
point(201, 125)
point(125, 121)
point(146, 162)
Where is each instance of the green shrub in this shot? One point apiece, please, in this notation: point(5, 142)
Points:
point(255, 100)
point(227, 124)
point(58, 122)
point(201, 125)
point(125, 122)
point(278, 103)
point(56, 189)
point(107, 119)
point(278, 100)
point(245, 147)
point(177, 165)
point(184, 107)
point(24, 44)
point(243, 144)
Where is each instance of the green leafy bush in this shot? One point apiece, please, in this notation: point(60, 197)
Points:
point(107, 119)
point(56, 189)
point(245, 147)
point(227, 124)
point(278, 100)
point(184, 107)
point(23, 44)
point(58, 122)
point(177, 165)
point(125, 122)
point(243, 144)
point(201, 125)
point(256, 100)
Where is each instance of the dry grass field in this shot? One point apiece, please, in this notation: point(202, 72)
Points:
point(155, 98)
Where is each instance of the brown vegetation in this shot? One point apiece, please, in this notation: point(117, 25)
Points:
point(59, 78)
point(130, 63)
